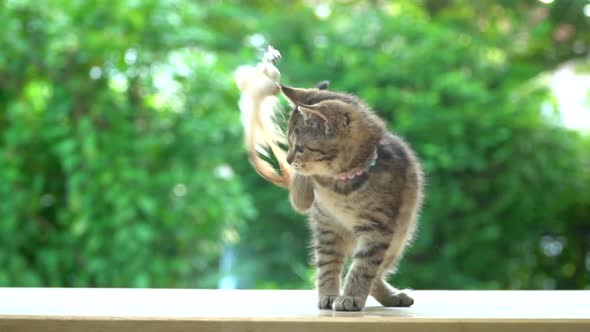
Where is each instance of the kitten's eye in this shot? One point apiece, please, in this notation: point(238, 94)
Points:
point(315, 150)
point(299, 148)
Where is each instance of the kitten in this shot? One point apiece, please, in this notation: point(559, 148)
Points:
point(361, 187)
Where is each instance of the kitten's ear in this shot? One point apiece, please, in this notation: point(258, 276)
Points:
point(334, 113)
point(323, 85)
point(310, 110)
point(296, 95)
point(315, 110)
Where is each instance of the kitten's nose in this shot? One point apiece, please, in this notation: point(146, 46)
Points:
point(290, 158)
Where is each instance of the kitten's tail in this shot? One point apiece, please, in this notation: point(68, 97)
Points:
point(258, 106)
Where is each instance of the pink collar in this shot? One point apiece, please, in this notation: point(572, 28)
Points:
point(357, 171)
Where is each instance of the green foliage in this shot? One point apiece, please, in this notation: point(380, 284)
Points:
point(499, 172)
point(109, 166)
point(122, 163)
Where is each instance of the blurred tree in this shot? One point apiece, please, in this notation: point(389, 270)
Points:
point(109, 115)
point(463, 92)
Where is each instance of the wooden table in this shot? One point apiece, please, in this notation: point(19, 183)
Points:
point(145, 310)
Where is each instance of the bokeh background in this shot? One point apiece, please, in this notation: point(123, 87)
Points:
point(122, 161)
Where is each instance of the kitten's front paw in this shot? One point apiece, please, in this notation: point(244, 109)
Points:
point(326, 301)
point(348, 303)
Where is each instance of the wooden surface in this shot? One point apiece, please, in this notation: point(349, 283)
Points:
point(77, 309)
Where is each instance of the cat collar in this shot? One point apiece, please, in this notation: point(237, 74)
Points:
point(358, 171)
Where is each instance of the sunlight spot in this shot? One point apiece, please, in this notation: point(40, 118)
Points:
point(170, 95)
point(256, 40)
point(118, 82)
point(130, 56)
point(323, 11)
point(224, 171)
point(209, 59)
point(549, 111)
point(587, 10)
point(393, 9)
point(164, 81)
point(177, 60)
point(95, 72)
point(495, 55)
point(551, 245)
point(571, 92)
point(230, 235)
point(180, 190)
point(546, 1)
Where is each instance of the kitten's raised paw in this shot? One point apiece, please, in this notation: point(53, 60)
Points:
point(348, 303)
point(326, 301)
point(398, 299)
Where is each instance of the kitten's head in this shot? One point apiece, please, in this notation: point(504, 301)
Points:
point(330, 133)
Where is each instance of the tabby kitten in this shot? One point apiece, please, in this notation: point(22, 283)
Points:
point(361, 187)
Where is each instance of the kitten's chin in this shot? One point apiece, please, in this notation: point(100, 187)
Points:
point(316, 173)
point(304, 173)
point(316, 169)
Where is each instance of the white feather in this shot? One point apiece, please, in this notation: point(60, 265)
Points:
point(258, 106)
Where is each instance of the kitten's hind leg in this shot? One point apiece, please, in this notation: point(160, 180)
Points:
point(389, 296)
point(383, 292)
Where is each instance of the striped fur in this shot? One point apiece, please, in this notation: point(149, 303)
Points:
point(370, 218)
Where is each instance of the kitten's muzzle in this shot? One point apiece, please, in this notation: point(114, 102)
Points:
point(296, 165)
point(290, 158)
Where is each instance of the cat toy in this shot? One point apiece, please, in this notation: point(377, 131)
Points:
point(260, 86)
